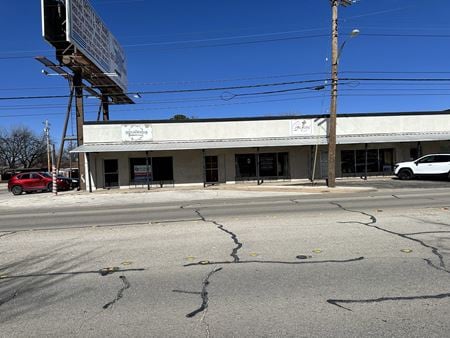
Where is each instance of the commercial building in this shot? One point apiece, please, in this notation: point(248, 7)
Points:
point(130, 154)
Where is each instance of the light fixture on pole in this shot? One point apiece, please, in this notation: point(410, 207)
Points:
point(335, 53)
point(354, 33)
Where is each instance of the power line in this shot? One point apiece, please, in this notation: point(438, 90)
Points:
point(174, 91)
point(156, 44)
point(163, 83)
point(179, 91)
point(165, 43)
point(408, 35)
point(170, 108)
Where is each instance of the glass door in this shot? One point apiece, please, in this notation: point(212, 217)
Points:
point(211, 169)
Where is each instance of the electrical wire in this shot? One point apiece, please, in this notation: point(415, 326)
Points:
point(171, 108)
point(408, 35)
point(161, 83)
point(184, 90)
point(168, 83)
point(174, 91)
point(157, 44)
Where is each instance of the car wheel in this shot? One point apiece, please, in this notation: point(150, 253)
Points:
point(16, 190)
point(405, 174)
point(49, 187)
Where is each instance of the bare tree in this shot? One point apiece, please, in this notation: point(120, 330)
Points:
point(21, 147)
point(8, 151)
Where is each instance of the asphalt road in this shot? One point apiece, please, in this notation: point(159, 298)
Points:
point(367, 264)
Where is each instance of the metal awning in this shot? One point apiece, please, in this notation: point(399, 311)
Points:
point(259, 142)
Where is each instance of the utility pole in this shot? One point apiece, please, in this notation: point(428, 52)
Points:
point(334, 91)
point(47, 135)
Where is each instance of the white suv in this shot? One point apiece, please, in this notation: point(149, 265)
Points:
point(429, 165)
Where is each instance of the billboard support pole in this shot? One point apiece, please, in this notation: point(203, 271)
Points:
point(105, 106)
point(78, 85)
point(66, 122)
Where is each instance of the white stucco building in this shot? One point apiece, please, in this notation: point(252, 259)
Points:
point(130, 154)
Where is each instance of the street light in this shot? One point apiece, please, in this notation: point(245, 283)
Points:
point(335, 53)
point(354, 33)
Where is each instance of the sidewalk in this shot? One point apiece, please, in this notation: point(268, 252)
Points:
point(170, 194)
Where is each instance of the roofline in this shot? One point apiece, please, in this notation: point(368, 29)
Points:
point(262, 118)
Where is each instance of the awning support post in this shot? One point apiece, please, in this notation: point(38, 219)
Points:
point(257, 166)
point(147, 170)
point(365, 161)
point(204, 168)
point(88, 159)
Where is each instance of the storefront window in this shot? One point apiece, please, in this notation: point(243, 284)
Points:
point(245, 165)
point(160, 169)
point(271, 165)
point(347, 161)
point(283, 165)
point(267, 165)
point(378, 161)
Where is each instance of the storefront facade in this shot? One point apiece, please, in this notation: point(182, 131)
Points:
point(128, 154)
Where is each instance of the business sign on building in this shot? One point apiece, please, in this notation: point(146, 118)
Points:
point(88, 33)
point(301, 127)
point(137, 133)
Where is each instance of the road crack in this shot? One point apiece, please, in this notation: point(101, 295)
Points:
point(222, 228)
point(372, 222)
point(203, 294)
point(337, 302)
point(126, 285)
point(276, 262)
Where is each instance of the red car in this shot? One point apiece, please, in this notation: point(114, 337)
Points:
point(33, 181)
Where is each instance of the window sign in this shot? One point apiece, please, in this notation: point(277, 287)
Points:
point(301, 127)
point(140, 173)
point(137, 133)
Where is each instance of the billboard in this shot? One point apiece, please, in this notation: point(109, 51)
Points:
point(89, 34)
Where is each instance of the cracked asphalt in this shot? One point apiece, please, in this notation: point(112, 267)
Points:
point(369, 263)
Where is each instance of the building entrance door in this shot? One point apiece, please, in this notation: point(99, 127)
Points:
point(111, 173)
point(211, 169)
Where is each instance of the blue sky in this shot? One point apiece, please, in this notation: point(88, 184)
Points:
point(183, 44)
